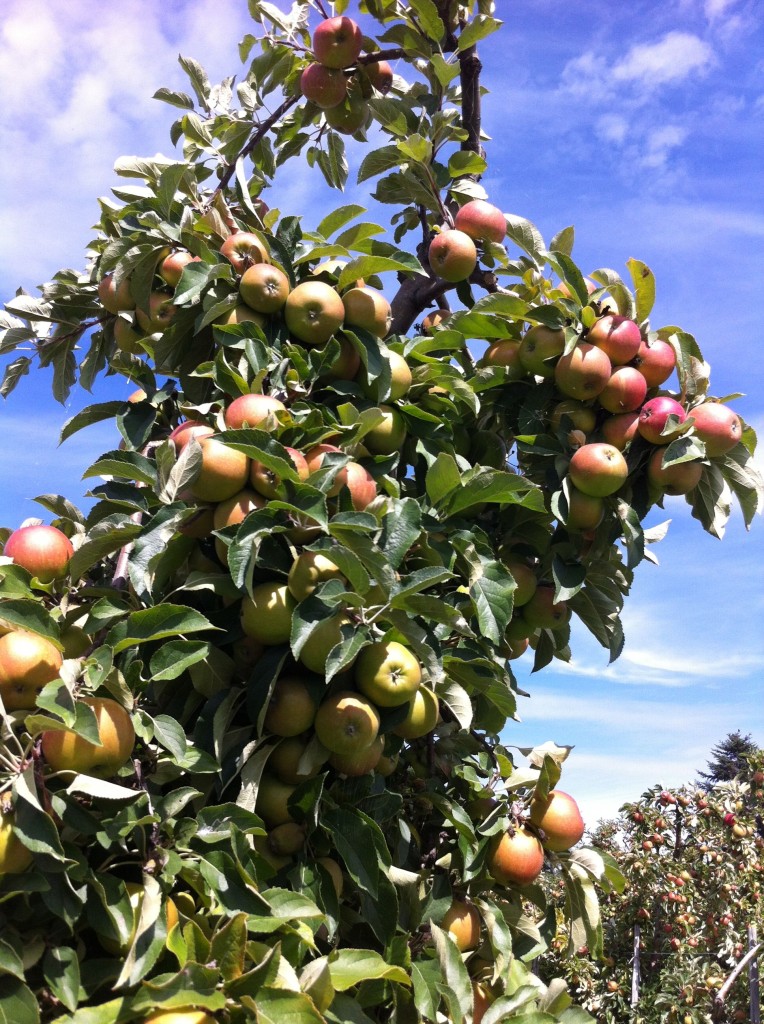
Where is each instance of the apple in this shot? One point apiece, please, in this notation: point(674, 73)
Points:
point(598, 469)
point(27, 663)
point(347, 364)
point(388, 435)
point(620, 430)
point(380, 74)
point(582, 417)
point(135, 892)
point(543, 612)
point(482, 997)
point(559, 819)
point(462, 922)
point(517, 638)
point(346, 723)
point(400, 376)
point(361, 762)
point(625, 390)
point(264, 288)
point(244, 248)
point(315, 456)
point(337, 42)
point(618, 336)
point(323, 86)
point(266, 615)
point(437, 318)
point(64, 750)
point(326, 635)
point(654, 416)
point(717, 426)
point(171, 267)
point(287, 839)
point(234, 510)
point(656, 361)
point(452, 255)
point(566, 292)
point(678, 478)
point(360, 483)
point(246, 653)
point(525, 580)
point(515, 858)
point(582, 373)
point(14, 856)
point(313, 312)
point(115, 298)
point(268, 483)
point(585, 512)
point(272, 799)
point(387, 673)
point(253, 410)
point(291, 708)
point(350, 116)
point(240, 314)
point(482, 221)
point(367, 308)
point(159, 315)
point(137, 396)
point(44, 551)
point(308, 570)
point(538, 347)
point(287, 758)
point(189, 1016)
point(506, 353)
point(183, 433)
point(126, 338)
point(224, 471)
point(422, 716)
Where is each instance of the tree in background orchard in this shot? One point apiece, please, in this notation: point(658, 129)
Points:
point(694, 865)
point(250, 750)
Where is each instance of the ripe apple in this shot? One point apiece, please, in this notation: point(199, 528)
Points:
point(183, 433)
point(268, 483)
point(482, 997)
point(234, 510)
point(115, 298)
point(387, 673)
point(452, 255)
point(654, 416)
point(240, 314)
point(159, 315)
point(287, 759)
point(598, 469)
point(323, 86)
point(360, 483)
point(583, 373)
point(517, 638)
point(64, 750)
point(625, 390)
point(253, 411)
point(515, 858)
point(618, 336)
point(126, 338)
point(313, 312)
point(559, 819)
point(171, 267)
point(349, 116)
point(422, 716)
point(27, 663)
point(437, 318)
point(367, 308)
point(482, 221)
point(189, 1016)
point(14, 856)
point(620, 430)
point(244, 248)
point(400, 376)
point(291, 708)
point(525, 580)
point(538, 347)
point(361, 762)
point(308, 570)
point(718, 427)
point(272, 799)
point(506, 353)
point(264, 288)
point(388, 435)
point(655, 360)
point(582, 417)
point(346, 723)
point(44, 551)
point(326, 635)
point(585, 512)
point(462, 922)
point(380, 74)
point(679, 478)
point(337, 42)
point(266, 616)
point(224, 471)
point(543, 612)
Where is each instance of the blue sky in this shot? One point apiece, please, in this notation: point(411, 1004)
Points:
point(641, 124)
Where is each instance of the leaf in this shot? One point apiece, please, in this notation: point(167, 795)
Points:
point(367, 266)
point(17, 1003)
point(479, 28)
point(644, 288)
point(92, 414)
point(280, 1006)
point(349, 967)
point(443, 478)
point(158, 623)
point(32, 617)
point(338, 218)
point(198, 78)
point(174, 98)
point(173, 658)
point(378, 161)
point(61, 968)
point(464, 162)
point(527, 236)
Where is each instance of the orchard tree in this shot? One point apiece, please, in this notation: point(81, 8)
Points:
point(728, 759)
point(694, 864)
point(252, 699)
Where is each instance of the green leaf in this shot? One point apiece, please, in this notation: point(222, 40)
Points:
point(124, 465)
point(366, 266)
point(92, 414)
point(644, 288)
point(61, 968)
point(378, 161)
point(429, 20)
point(350, 831)
point(443, 477)
point(198, 78)
point(349, 967)
point(32, 617)
point(464, 162)
point(174, 98)
point(479, 28)
point(527, 236)
point(173, 658)
point(280, 1006)
point(17, 1003)
point(158, 623)
point(338, 219)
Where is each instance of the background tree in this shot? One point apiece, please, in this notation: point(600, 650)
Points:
point(728, 759)
point(252, 699)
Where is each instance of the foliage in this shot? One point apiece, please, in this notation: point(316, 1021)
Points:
point(229, 865)
point(693, 864)
point(728, 759)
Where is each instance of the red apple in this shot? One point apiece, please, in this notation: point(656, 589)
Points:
point(264, 288)
point(625, 390)
point(253, 411)
point(115, 298)
point(171, 267)
point(506, 353)
point(243, 249)
point(718, 427)
point(655, 361)
point(482, 221)
point(620, 430)
point(380, 74)
point(582, 373)
point(337, 42)
point(539, 347)
point(159, 314)
point(678, 478)
point(452, 255)
point(654, 416)
point(619, 336)
point(266, 482)
point(185, 431)
point(44, 551)
point(323, 86)
point(598, 469)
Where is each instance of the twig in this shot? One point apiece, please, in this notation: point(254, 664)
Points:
point(717, 1009)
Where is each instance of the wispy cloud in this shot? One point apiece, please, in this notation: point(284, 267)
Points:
point(671, 59)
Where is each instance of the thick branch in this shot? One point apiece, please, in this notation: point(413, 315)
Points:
point(469, 74)
point(717, 1012)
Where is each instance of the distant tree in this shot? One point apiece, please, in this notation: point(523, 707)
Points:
point(728, 760)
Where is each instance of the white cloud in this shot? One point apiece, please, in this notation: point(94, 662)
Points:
point(671, 59)
point(659, 144)
point(613, 128)
point(717, 8)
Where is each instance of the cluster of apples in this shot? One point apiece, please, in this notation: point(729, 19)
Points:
point(335, 82)
point(453, 253)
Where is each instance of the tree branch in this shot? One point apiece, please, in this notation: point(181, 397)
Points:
point(469, 75)
point(717, 1012)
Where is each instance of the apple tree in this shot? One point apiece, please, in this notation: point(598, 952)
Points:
point(253, 696)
